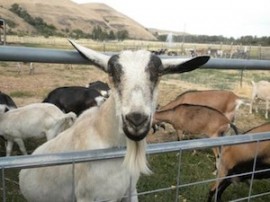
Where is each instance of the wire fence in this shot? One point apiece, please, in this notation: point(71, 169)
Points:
point(178, 185)
point(74, 158)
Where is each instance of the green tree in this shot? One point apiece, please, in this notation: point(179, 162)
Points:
point(111, 35)
point(122, 35)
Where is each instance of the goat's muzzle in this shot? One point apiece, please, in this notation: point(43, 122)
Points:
point(136, 125)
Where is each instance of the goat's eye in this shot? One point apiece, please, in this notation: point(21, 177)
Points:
point(154, 68)
point(153, 72)
point(116, 73)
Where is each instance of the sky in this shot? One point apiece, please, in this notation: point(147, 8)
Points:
point(230, 18)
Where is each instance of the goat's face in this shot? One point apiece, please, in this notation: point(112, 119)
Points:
point(134, 77)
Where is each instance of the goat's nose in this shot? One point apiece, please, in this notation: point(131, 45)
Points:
point(136, 119)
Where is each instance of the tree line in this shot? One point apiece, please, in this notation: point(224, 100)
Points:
point(244, 40)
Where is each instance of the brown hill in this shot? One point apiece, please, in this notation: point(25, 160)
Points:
point(67, 15)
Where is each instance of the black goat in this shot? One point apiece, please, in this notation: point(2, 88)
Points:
point(7, 102)
point(74, 98)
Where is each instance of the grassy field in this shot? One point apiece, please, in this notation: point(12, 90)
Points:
point(26, 89)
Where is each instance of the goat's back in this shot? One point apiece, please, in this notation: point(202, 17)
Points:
point(219, 99)
point(200, 119)
point(261, 89)
point(73, 98)
point(265, 127)
point(32, 120)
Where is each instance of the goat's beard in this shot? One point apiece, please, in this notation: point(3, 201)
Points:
point(135, 158)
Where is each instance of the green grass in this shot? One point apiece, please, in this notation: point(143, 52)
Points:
point(21, 94)
point(165, 168)
point(219, 79)
point(194, 168)
point(13, 193)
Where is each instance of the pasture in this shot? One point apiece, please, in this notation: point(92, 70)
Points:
point(26, 89)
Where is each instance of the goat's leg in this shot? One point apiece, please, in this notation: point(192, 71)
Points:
point(266, 109)
point(180, 135)
point(251, 105)
point(19, 141)
point(31, 69)
point(19, 68)
point(9, 147)
point(257, 102)
point(217, 153)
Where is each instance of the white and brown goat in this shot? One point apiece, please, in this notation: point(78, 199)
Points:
point(237, 159)
point(123, 120)
point(260, 91)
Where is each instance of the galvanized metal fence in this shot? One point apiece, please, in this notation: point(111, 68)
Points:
point(73, 158)
point(72, 57)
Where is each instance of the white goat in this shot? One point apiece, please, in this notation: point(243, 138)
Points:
point(123, 120)
point(34, 120)
point(260, 90)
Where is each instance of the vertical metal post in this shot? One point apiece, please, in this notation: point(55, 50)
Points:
point(104, 47)
point(3, 184)
point(130, 190)
point(260, 51)
point(241, 77)
point(253, 171)
point(73, 182)
point(218, 160)
point(178, 176)
point(5, 32)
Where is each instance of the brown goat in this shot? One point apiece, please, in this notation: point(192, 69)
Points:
point(238, 159)
point(195, 119)
point(224, 101)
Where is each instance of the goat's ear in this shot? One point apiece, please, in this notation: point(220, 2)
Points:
point(98, 59)
point(174, 66)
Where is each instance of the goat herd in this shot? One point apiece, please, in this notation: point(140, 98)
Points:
point(95, 117)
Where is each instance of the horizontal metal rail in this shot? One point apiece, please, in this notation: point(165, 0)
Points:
point(103, 154)
point(44, 55)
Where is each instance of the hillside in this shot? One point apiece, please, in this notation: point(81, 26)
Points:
point(66, 16)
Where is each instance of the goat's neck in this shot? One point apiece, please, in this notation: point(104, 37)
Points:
point(2, 116)
point(163, 116)
point(109, 123)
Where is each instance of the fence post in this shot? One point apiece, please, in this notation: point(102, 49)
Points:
point(178, 176)
point(3, 184)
